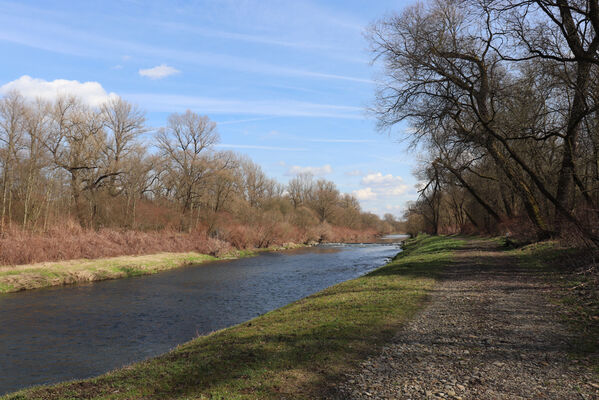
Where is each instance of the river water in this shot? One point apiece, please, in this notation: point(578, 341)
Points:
point(61, 333)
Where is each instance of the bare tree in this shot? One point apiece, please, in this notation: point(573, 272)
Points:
point(124, 123)
point(12, 111)
point(35, 134)
point(447, 69)
point(325, 197)
point(185, 142)
point(300, 189)
point(76, 142)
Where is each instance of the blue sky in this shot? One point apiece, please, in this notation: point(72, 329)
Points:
point(287, 81)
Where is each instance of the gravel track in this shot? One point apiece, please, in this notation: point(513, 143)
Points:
point(489, 332)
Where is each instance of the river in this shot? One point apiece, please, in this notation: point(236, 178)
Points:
point(62, 333)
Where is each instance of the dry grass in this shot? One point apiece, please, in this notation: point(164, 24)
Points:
point(70, 242)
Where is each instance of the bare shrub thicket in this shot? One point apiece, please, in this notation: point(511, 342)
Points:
point(503, 96)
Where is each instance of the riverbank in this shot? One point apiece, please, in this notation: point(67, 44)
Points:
point(46, 274)
point(295, 351)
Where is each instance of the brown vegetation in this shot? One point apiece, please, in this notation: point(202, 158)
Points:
point(503, 97)
point(70, 241)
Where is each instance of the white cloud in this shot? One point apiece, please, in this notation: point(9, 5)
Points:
point(382, 191)
point(370, 193)
point(316, 171)
point(397, 190)
point(159, 72)
point(379, 185)
point(251, 146)
point(365, 194)
point(381, 180)
point(92, 93)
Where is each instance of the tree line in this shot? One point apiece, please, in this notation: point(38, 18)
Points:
point(502, 97)
point(63, 159)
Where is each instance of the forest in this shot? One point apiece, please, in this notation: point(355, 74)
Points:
point(502, 99)
point(81, 181)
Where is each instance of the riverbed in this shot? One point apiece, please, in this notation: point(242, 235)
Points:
point(62, 333)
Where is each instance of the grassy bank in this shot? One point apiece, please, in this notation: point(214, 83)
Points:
point(574, 277)
point(296, 351)
point(34, 276)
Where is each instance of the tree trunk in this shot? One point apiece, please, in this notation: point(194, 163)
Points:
point(76, 191)
point(566, 178)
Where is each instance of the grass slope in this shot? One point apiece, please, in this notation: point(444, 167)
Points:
point(296, 351)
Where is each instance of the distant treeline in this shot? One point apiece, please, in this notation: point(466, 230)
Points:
point(503, 96)
point(65, 161)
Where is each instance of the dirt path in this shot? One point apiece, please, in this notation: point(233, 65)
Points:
point(488, 333)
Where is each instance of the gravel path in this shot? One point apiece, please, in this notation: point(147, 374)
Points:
point(489, 332)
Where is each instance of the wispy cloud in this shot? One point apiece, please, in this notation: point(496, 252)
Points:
point(395, 160)
point(209, 105)
point(242, 121)
point(60, 39)
point(244, 37)
point(340, 140)
point(298, 24)
point(355, 172)
point(250, 146)
point(159, 72)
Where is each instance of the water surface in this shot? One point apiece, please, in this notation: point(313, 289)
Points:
point(61, 333)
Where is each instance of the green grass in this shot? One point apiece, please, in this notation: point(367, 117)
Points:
point(296, 351)
point(40, 275)
point(425, 244)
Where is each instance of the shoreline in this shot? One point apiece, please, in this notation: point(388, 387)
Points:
point(19, 278)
